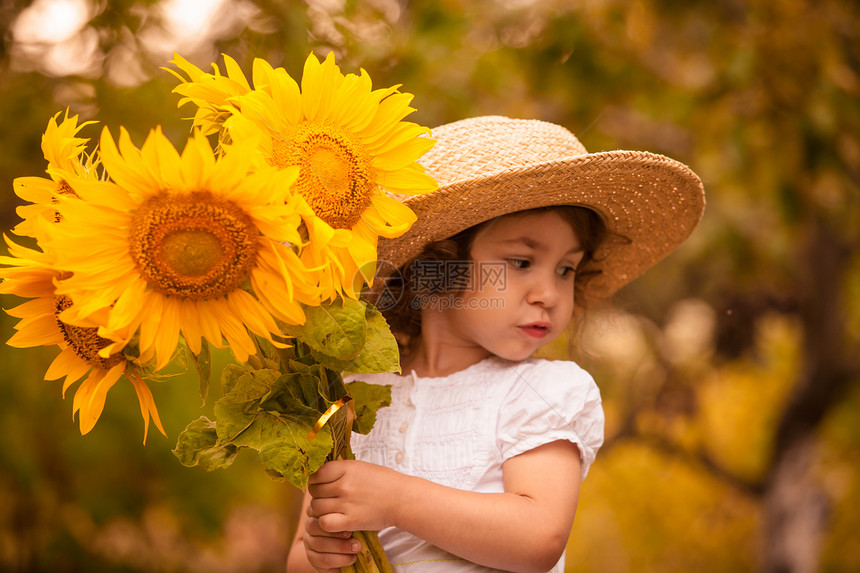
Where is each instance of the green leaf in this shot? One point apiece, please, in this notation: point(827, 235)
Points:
point(331, 386)
point(285, 448)
point(260, 411)
point(252, 384)
point(179, 358)
point(233, 418)
point(230, 375)
point(331, 363)
point(315, 386)
point(281, 438)
point(379, 354)
point(203, 362)
point(236, 409)
point(266, 348)
point(198, 446)
point(336, 329)
point(368, 398)
point(274, 412)
point(301, 386)
point(271, 355)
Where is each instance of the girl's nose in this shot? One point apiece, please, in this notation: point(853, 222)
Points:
point(544, 291)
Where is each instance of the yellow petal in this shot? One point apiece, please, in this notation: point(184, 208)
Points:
point(234, 72)
point(408, 181)
point(390, 111)
point(90, 397)
point(168, 332)
point(403, 155)
point(41, 306)
point(388, 216)
point(126, 310)
point(209, 323)
point(42, 332)
point(67, 364)
point(252, 313)
point(190, 324)
point(147, 405)
point(151, 321)
point(234, 332)
point(286, 96)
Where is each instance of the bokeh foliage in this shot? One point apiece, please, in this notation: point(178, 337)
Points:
point(727, 363)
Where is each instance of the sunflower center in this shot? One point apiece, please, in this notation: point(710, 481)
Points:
point(193, 245)
point(193, 253)
point(335, 172)
point(331, 171)
point(84, 341)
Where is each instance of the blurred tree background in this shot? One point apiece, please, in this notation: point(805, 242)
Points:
point(729, 372)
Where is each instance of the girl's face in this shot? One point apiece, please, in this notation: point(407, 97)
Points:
point(522, 288)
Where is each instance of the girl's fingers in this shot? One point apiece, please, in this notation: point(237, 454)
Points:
point(329, 561)
point(333, 546)
point(313, 528)
point(329, 472)
point(334, 522)
point(319, 507)
point(327, 551)
point(321, 490)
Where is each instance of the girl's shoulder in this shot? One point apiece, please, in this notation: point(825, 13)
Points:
point(551, 400)
point(562, 379)
point(541, 374)
point(536, 370)
point(543, 366)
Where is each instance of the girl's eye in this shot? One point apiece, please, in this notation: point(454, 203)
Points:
point(519, 263)
point(566, 271)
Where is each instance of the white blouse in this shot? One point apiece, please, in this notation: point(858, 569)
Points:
point(458, 431)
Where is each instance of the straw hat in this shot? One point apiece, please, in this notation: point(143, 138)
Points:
point(492, 166)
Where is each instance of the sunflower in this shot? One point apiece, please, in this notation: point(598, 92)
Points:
point(189, 244)
point(211, 93)
point(350, 146)
point(67, 157)
point(30, 274)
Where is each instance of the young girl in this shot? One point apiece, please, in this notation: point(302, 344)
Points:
point(476, 464)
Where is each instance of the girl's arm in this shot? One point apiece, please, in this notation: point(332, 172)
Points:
point(327, 551)
point(524, 529)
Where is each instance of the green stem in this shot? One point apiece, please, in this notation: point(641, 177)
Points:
point(378, 553)
point(371, 558)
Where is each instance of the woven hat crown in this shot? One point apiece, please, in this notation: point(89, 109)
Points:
point(495, 144)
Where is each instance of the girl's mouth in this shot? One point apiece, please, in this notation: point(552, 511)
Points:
point(536, 329)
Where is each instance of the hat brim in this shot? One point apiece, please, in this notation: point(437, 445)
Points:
point(649, 203)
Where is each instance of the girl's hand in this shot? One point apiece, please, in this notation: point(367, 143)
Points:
point(328, 552)
point(351, 495)
point(523, 529)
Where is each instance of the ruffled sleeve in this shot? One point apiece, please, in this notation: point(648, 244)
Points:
point(550, 401)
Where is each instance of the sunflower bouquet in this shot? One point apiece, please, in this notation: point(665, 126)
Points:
point(259, 236)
